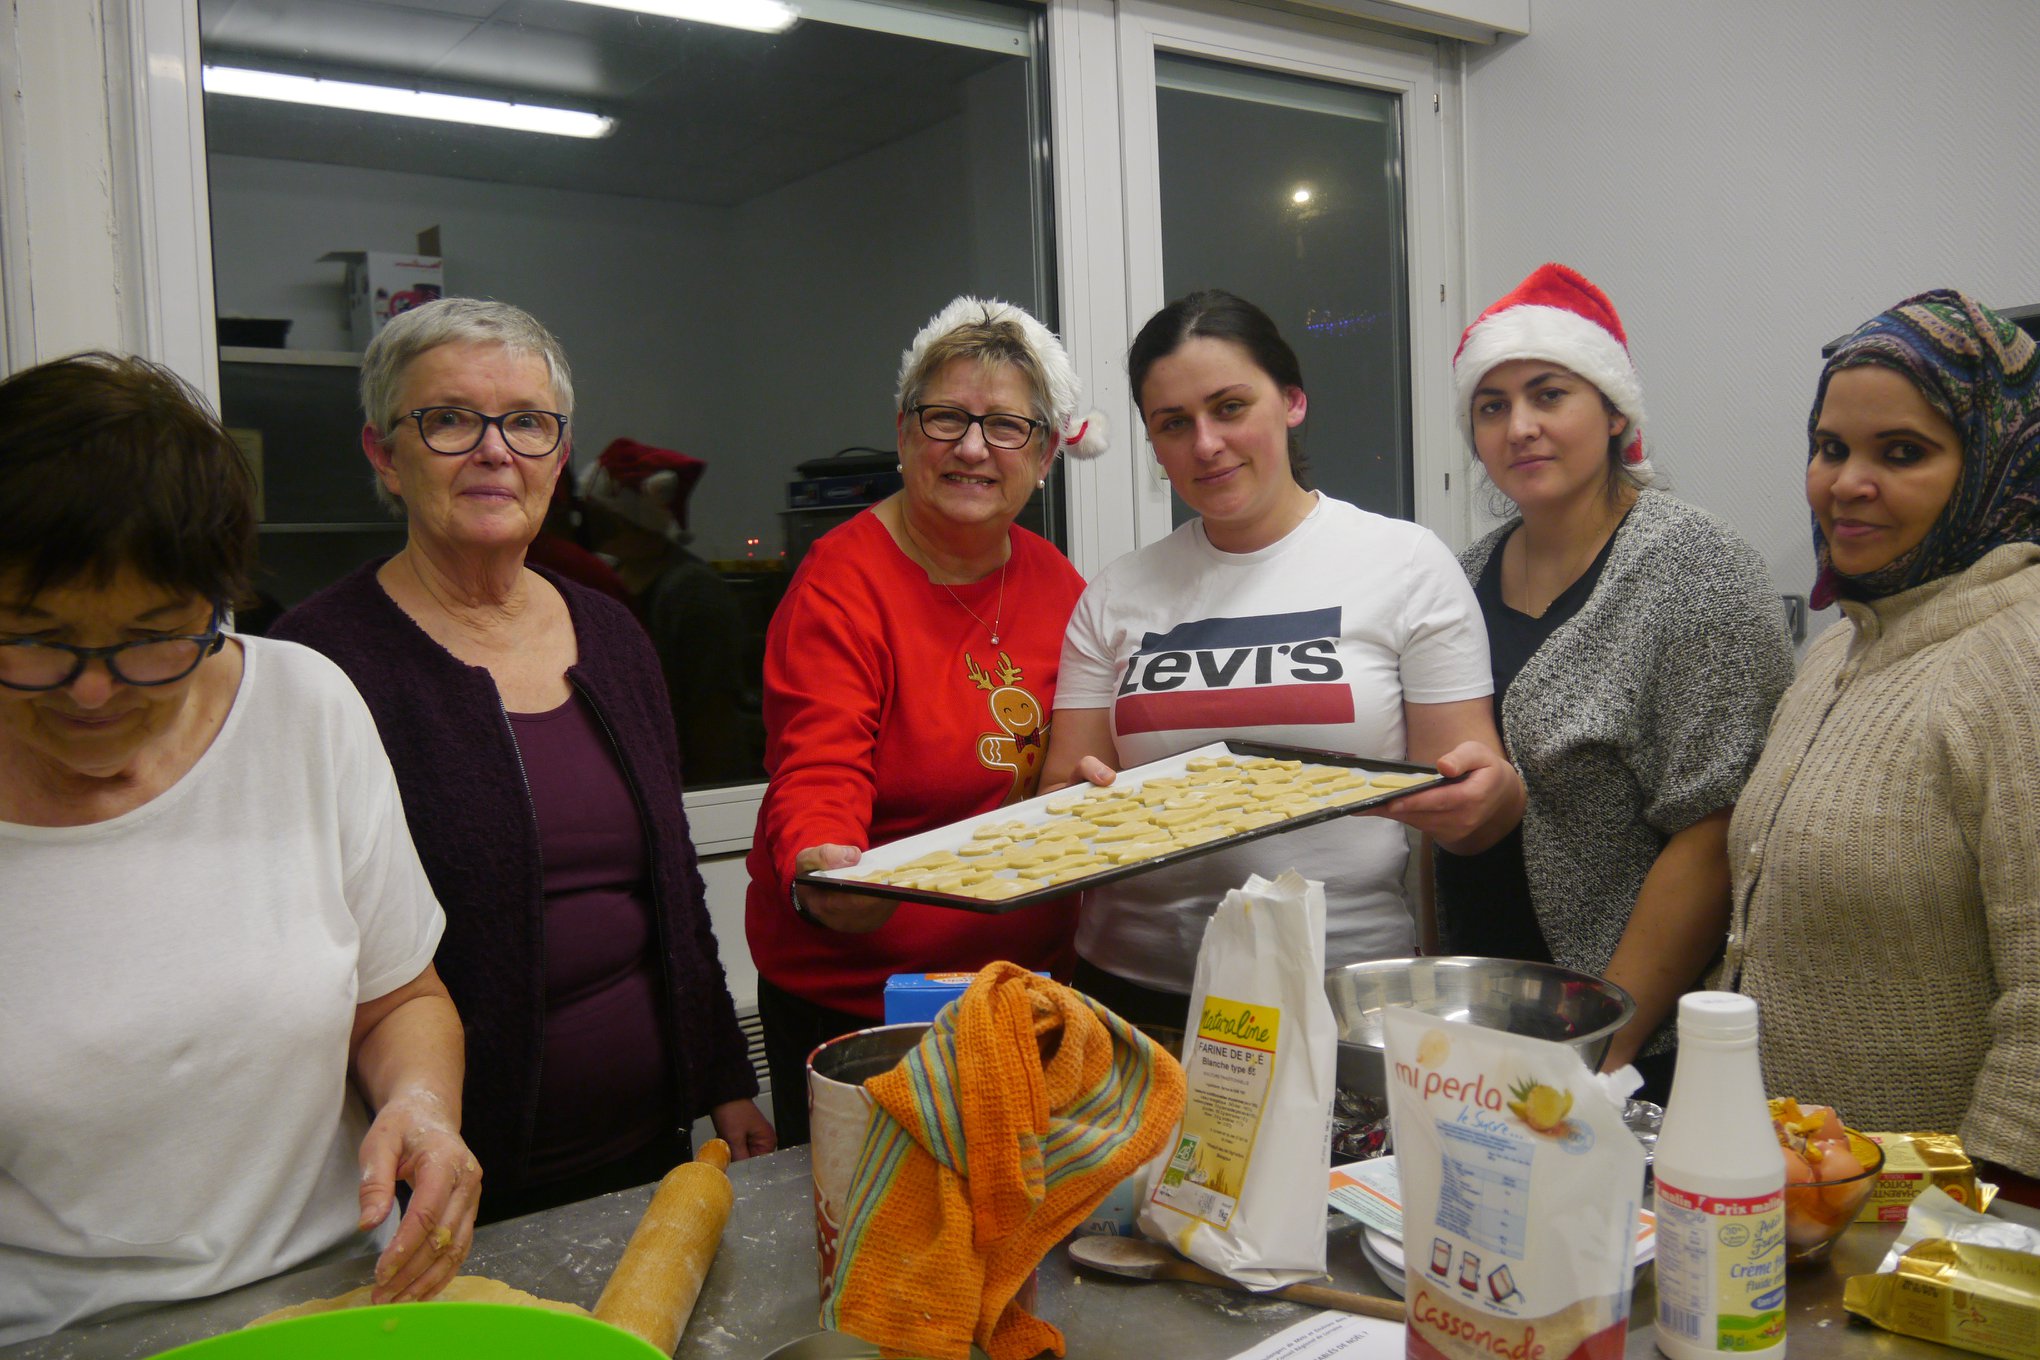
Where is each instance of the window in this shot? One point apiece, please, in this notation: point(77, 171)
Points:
point(1287, 190)
point(1227, 115)
point(733, 270)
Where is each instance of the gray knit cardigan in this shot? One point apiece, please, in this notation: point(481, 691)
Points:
point(1640, 715)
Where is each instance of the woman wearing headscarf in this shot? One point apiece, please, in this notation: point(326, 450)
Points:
point(1887, 851)
point(527, 721)
point(909, 675)
point(1638, 650)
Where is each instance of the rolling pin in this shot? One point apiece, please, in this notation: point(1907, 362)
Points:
point(653, 1288)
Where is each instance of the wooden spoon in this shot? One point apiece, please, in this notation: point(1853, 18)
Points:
point(1139, 1259)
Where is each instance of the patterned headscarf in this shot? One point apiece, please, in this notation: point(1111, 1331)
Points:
point(1982, 373)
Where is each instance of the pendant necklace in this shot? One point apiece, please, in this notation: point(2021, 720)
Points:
point(998, 613)
point(993, 626)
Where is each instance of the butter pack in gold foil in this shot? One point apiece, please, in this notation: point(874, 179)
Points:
point(1912, 1163)
point(1982, 1299)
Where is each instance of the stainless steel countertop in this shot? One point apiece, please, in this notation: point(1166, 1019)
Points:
point(761, 1290)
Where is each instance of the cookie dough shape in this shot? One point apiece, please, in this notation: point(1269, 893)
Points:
point(999, 889)
point(460, 1289)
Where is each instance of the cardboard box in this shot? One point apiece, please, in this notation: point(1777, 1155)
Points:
point(382, 284)
point(919, 996)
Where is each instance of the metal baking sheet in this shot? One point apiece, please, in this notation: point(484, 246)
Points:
point(1035, 811)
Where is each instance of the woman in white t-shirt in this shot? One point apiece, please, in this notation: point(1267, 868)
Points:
point(222, 1040)
point(1281, 615)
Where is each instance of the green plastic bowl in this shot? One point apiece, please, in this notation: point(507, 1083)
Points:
point(426, 1331)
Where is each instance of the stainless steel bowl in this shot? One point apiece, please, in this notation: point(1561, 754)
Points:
point(1538, 999)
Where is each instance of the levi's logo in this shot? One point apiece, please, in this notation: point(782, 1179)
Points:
point(1269, 670)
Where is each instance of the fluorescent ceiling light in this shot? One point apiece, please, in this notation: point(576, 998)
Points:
point(760, 16)
point(451, 108)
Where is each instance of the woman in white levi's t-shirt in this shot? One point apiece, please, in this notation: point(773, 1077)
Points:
point(1281, 615)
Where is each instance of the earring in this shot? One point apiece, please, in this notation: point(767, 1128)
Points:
point(899, 467)
point(1040, 482)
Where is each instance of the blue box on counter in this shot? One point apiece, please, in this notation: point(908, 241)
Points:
point(918, 996)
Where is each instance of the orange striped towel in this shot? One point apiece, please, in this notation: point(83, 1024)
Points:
point(980, 1156)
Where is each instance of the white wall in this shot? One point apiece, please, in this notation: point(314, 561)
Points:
point(647, 357)
point(65, 283)
point(1749, 179)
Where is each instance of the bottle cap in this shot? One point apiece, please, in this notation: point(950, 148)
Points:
point(1717, 1015)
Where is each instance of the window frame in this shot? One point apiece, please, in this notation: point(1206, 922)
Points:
point(1413, 70)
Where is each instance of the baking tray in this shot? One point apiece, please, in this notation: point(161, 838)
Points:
point(1036, 811)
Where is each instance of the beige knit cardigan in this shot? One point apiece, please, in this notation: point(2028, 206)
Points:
point(1886, 854)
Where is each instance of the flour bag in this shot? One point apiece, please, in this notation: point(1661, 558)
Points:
point(1242, 1187)
point(1520, 1185)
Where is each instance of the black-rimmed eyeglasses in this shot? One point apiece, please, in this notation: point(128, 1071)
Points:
point(32, 664)
point(458, 429)
point(1002, 430)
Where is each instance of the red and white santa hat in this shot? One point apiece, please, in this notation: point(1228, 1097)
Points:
point(646, 485)
point(1080, 433)
point(1557, 314)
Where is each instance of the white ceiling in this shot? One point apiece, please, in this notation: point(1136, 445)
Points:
point(705, 114)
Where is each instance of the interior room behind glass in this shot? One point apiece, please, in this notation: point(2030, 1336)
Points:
point(733, 270)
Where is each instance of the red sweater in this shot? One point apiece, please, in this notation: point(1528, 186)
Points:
point(888, 712)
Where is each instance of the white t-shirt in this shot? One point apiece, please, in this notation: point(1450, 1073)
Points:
point(177, 987)
point(1317, 640)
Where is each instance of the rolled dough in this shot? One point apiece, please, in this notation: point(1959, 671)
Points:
point(461, 1289)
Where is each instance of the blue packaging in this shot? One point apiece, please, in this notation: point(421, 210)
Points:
point(918, 996)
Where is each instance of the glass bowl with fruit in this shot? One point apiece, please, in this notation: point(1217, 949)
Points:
point(1829, 1172)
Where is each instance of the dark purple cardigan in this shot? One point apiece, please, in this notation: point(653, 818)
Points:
point(471, 816)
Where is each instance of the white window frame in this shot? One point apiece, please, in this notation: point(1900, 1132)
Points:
point(1412, 69)
point(169, 241)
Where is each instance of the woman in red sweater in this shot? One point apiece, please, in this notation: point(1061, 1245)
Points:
point(909, 677)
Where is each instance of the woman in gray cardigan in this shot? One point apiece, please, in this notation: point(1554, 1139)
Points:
point(1638, 650)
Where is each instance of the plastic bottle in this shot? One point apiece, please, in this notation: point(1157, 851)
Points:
point(1720, 1192)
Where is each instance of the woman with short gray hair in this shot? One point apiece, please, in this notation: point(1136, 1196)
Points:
point(474, 321)
point(528, 723)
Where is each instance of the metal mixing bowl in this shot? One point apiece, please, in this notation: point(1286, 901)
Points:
point(1538, 999)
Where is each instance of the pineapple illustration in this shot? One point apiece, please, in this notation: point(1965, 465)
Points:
point(1539, 1106)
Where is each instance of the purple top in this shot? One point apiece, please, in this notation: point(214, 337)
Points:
point(442, 723)
point(602, 1091)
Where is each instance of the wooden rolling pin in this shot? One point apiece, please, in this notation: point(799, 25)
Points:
point(651, 1292)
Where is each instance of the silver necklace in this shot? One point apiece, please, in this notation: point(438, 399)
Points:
point(998, 612)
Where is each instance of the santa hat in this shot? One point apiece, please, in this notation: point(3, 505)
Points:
point(1082, 435)
point(1556, 314)
point(645, 485)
